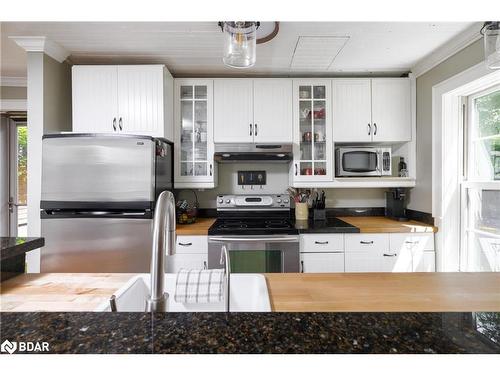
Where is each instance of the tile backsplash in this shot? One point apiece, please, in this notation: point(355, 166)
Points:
point(277, 182)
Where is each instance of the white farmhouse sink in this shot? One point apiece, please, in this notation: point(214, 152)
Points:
point(248, 293)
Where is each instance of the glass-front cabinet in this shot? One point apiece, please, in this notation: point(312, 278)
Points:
point(313, 143)
point(193, 121)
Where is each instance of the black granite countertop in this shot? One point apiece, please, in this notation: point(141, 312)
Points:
point(330, 225)
point(256, 332)
point(13, 246)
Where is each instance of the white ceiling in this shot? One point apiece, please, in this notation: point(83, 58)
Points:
point(195, 48)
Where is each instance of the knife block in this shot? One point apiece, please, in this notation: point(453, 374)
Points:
point(319, 214)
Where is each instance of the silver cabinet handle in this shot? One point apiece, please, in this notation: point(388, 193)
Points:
point(321, 242)
point(210, 169)
point(301, 266)
point(205, 265)
point(369, 129)
point(250, 129)
point(296, 169)
point(120, 123)
point(255, 130)
point(114, 123)
point(185, 243)
point(411, 242)
point(254, 239)
point(366, 242)
point(390, 255)
point(375, 129)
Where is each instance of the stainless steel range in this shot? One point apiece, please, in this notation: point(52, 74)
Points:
point(257, 232)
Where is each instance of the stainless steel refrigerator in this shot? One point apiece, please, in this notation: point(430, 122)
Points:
point(98, 196)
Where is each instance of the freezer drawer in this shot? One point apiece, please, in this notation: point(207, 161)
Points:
point(96, 245)
point(97, 168)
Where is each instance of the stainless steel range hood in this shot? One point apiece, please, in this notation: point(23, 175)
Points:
point(245, 152)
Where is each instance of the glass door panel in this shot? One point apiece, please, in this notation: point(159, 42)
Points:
point(312, 130)
point(194, 130)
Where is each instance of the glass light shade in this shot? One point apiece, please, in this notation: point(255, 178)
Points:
point(240, 45)
point(491, 32)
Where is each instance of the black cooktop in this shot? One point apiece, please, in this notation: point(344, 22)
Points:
point(252, 226)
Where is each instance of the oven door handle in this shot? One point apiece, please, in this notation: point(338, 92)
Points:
point(259, 239)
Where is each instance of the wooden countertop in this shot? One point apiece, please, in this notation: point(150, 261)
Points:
point(381, 224)
point(199, 228)
point(288, 292)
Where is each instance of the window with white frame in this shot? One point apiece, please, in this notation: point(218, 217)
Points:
point(480, 222)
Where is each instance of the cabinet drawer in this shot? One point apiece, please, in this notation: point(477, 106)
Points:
point(425, 262)
point(187, 261)
point(377, 242)
point(412, 241)
point(191, 245)
point(317, 243)
point(321, 262)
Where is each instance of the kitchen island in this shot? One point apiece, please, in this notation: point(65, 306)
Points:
point(448, 331)
point(362, 292)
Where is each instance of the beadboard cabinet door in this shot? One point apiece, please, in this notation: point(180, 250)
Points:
point(352, 113)
point(233, 110)
point(140, 99)
point(391, 109)
point(95, 105)
point(272, 113)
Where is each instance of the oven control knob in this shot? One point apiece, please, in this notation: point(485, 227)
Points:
point(285, 201)
point(278, 200)
point(221, 200)
point(228, 201)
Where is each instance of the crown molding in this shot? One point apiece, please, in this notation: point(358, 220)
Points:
point(41, 44)
point(457, 43)
point(14, 81)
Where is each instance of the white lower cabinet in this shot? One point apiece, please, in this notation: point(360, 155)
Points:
point(186, 261)
point(322, 262)
point(191, 252)
point(395, 252)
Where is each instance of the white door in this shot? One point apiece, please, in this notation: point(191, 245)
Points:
point(391, 110)
point(322, 262)
point(352, 112)
point(272, 110)
point(312, 132)
point(140, 99)
point(95, 105)
point(233, 110)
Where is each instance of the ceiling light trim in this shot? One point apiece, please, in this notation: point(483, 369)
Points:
point(448, 49)
point(41, 44)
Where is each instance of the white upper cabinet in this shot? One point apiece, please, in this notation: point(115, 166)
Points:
point(272, 113)
point(130, 99)
point(95, 103)
point(253, 110)
point(352, 116)
point(372, 110)
point(391, 109)
point(312, 132)
point(194, 137)
point(233, 110)
point(140, 99)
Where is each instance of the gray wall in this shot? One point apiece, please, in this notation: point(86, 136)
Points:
point(278, 181)
point(13, 92)
point(56, 95)
point(421, 194)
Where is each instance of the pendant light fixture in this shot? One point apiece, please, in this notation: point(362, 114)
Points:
point(491, 36)
point(241, 39)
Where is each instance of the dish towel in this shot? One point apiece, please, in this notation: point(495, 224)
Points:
point(199, 286)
